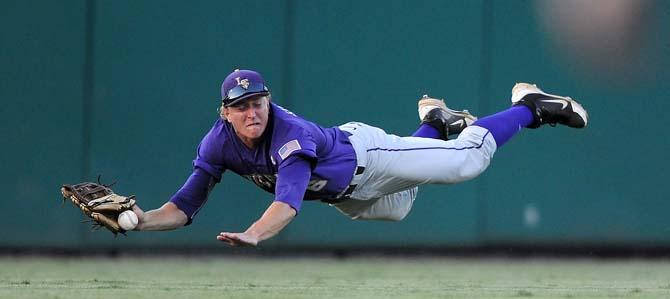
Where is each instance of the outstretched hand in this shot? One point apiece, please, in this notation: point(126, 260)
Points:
point(237, 239)
point(276, 217)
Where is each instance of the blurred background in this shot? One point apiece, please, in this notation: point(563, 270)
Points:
point(126, 89)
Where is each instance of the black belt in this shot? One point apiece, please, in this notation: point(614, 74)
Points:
point(347, 192)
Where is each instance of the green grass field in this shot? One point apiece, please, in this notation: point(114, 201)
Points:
point(229, 277)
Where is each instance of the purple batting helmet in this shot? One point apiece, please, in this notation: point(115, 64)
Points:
point(242, 84)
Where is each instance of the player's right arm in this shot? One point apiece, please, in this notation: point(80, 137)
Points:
point(187, 201)
point(167, 217)
point(182, 207)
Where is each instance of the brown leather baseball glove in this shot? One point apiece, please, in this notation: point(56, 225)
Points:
point(100, 203)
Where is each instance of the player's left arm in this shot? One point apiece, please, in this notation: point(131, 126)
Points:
point(292, 180)
point(275, 218)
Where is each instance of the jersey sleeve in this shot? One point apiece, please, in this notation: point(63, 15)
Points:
point(203, 162)
point(193, 194)
point(302, 145)
point(208, 167)
point(292, 179)
point(210, 152)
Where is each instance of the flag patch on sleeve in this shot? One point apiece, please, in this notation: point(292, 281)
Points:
point(288, 148)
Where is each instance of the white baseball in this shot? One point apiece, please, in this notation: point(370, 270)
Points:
point(128, 220)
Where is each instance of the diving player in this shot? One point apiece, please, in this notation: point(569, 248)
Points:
point(360, 170)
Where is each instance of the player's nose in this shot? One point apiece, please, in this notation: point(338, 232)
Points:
point(251, 113)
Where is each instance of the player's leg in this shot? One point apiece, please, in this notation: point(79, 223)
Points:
point(393, 163)
point(548, 108)
point(531, 108)
point(411, 161)
point(395, 166)
point(392, 207)
point(505, 124)
point(438, 121)
point(427, 131)
point(398, 163)
point(541, 107)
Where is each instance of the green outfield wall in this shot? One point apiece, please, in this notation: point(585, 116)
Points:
point(127, 89)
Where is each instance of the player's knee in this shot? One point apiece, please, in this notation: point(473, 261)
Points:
point(467, 167)
point(392, 207)
point(398, 216)
point(474, 169)
point(393, 216)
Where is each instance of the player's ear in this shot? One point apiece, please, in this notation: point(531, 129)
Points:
point(226, 113)
point(223, 112)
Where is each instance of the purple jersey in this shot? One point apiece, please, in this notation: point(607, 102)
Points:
point(289, 138)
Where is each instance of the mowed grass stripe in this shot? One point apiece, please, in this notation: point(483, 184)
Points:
point(185, 286)
point(167, 278)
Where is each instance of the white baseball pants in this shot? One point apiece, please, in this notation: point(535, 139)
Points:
point(395, 167)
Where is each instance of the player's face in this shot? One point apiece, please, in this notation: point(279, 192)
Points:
point(249, 118)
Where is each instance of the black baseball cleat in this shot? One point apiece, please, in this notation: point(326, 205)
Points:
point(435, 113)
point(548, 108)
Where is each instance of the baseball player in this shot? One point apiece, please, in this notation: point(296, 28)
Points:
point(360, 170)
